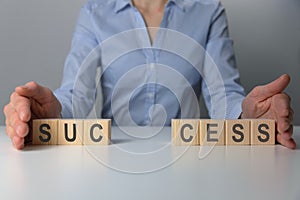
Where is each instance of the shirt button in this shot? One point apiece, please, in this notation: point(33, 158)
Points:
point(152, 65)
point(151, 95)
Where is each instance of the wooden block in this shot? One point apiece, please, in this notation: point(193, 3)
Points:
point(97, 132)
point(262, 132)
point(70, 131)
point(212, 132)
point(237, 132)
point(185, 131)
point(44, 131)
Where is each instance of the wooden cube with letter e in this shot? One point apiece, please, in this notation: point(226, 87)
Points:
point(185, 131)
point(212, 132)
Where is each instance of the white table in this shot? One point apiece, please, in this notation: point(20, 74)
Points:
point(75, 172)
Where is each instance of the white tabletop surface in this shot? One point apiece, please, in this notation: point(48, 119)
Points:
point(144, 167)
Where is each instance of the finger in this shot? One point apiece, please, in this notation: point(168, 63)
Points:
point(10, 132)
point(7, 109)
point(21, 128)
point(277, 86)
point(282, 104)
point(35, 91)
point(291, 115)
point(288, 133)
point(283, 124)
point(18, 142)
point(287, 143)
point(22, 106)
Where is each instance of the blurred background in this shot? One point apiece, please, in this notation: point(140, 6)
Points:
point(35, 38)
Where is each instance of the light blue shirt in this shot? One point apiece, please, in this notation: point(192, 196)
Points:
point(148, 83)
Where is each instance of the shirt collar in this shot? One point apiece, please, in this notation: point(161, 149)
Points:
point(121, 4)
point(180, 3)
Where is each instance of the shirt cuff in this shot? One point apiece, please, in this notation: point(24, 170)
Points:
point(66, 111)
point(234, 109)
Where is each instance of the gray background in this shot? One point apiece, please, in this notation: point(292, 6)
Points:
point(35, 38)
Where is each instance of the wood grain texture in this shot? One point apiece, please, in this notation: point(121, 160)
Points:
point(70, 132)
point(262, 132)
point(212, 132)
point(97, 132)
point(185, 132)
point(237, 132)
point(44, 131)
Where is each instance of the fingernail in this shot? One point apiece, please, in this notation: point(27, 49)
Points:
point(17, 146)
point(14, 140)
point(23, 87)
point(18, 131)
point(286, 136)
point(22, 116)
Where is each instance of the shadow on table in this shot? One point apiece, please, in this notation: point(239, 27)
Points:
point(297, 140)
point(120, 141)
point(30, 147)
point(38, 147)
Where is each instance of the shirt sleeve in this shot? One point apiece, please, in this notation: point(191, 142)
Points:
point(84, 42)
point(220, 50)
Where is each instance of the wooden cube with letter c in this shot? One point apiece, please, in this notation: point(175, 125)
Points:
point(97, 132)
point(185, 131)
point(44, 131)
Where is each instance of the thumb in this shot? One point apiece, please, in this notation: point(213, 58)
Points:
point(35, 91)
point(277, 86)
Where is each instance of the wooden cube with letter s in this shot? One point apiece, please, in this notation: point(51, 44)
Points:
point(262, 132)
point(237, 132)
point(45, 131)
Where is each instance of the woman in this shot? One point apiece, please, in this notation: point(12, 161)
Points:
point(146, 26)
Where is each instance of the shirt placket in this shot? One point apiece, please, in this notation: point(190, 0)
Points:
point(151, 54)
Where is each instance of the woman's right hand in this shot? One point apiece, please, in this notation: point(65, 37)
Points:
point(27, 102)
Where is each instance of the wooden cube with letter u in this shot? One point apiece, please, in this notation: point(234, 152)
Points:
point(70, 131)
point(185, 131)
